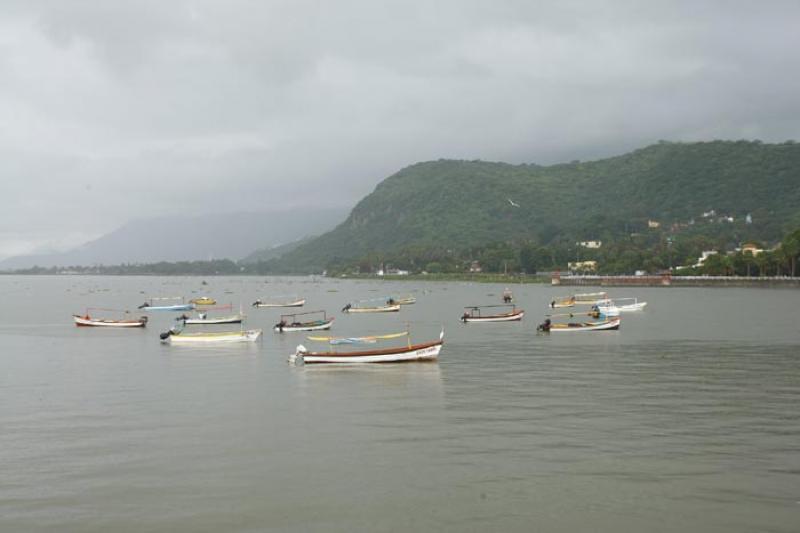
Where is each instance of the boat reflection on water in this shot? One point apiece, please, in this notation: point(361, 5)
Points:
point(421, 381)
point(395, 370)
point(250, 349)
point(362, 412)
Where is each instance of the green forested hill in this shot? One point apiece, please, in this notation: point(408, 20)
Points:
point(459, 205)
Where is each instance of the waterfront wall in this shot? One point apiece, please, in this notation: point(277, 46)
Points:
point(667, 280)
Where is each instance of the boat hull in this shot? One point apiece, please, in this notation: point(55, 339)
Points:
point(99, 322)
point(214, 338)
point(419, 352)
point(221, 320)
point(181, 307)
point(316, 327)
point(297, 303)
point(384, 309)
point(632, 307)
point(608, 325)
point(513, 317)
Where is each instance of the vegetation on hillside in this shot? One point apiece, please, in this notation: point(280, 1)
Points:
point(503, 259)
point(442, 215)
point(653, 209)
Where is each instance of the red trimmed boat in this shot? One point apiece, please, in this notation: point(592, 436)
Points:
point(427, 351)
point(87, 320)
point(476, 313)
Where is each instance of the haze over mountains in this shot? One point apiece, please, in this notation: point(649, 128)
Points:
point(457, 206)
point(189, 237)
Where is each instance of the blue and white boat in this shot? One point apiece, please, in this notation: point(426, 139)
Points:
point(151, 304)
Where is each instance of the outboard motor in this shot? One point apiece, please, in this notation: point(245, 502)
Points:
point(346, 308)
point(280, 325)
point(544, 327)
point(143, 319)
point(171, 331)
point(143, 306)
point(464, 317)
point(298, 357)
point(257, 302)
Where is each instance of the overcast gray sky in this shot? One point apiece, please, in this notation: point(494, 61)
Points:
point(112, 110)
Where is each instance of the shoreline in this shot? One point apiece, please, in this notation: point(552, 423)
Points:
point(667, 281)
point(511, 279)
point(517, 279)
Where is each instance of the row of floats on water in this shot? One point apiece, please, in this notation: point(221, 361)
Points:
point(604, 311)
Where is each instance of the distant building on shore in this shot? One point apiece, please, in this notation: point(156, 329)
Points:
point(705, 255)
point(752, 248)
point(583, 266)
point(590, 244)
point(391, 272)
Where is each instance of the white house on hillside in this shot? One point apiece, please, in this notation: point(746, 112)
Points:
point(705, 255)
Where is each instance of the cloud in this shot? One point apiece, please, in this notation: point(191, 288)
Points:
point(115, 110)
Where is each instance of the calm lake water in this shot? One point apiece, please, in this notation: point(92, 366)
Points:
point(687, 419)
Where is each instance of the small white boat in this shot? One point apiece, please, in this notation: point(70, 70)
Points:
point(220, 337)
point(589, 298)
point(86, 320)
point(562, 301)
point(150, 305)
point(290, 323)
point(477, 314)
point(291, 303)
point(623, 305)
point(374, 309)
point(604, 311)
point(428, 351)
point(203, 300)
point(574, 327)
point(408, 300)
point(595, 313)
point(202, 318)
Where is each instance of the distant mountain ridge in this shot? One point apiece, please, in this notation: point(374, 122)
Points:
point(276, 251)
point(449, 204)
point(191, 237)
